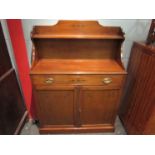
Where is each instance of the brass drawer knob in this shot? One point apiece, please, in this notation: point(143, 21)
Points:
point(107, 80)
point(49, 80)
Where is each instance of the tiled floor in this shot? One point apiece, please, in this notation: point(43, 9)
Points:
point(32, 129)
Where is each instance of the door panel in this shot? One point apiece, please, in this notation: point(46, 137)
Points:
point(55, 107)
point(98, 105)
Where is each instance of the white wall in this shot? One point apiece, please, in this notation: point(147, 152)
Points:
point(27, 28)
point(135, 30)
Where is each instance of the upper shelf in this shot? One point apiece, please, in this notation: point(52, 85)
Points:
point(77, 30)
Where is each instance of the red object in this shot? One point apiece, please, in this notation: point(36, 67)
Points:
point(21, 57)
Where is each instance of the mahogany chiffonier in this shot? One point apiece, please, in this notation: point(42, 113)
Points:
point(137, 110)
point(77, 76)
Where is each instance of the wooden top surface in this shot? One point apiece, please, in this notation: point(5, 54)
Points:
point(77, 30)
point(63, 66)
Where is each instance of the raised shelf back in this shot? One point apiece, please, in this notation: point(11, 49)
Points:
point(77, 40)
point(77, 30)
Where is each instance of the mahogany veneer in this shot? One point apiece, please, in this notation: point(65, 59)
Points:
point(77, 76)
point(58, 66)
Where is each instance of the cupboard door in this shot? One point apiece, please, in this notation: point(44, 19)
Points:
point(55, 106)
point(98, 105)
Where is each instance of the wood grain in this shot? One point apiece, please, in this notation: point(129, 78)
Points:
point(137, 110)
point(116, 80)
point(13, 112)
point(77, 30)
point(12, 105)
point(76, 49)
point(55, 107)
point(59, 66)
point(71, 61)
point(5, 63)
point(73, 130)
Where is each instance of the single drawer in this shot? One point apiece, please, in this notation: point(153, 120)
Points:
point(52, 80)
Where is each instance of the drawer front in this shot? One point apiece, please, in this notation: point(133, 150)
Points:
point(55, 80)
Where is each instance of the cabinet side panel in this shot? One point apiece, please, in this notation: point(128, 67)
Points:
point(137, 103)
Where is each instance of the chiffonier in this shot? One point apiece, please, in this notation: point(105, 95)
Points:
point(77, 76)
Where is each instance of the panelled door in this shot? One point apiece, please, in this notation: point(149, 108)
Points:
point(98, 105)
point(55, 106)
point(76, 105)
